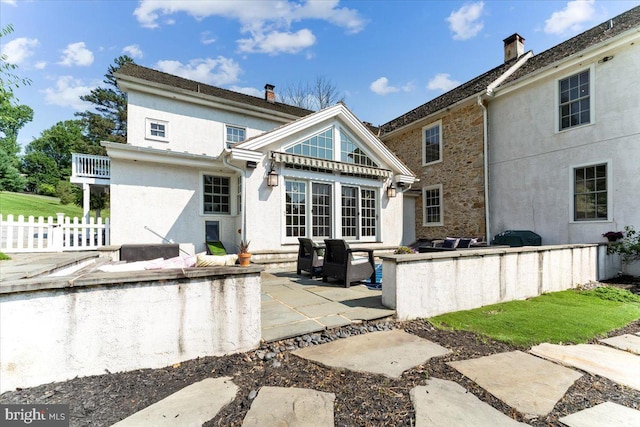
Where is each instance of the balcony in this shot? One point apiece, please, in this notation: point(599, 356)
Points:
point(90, 169)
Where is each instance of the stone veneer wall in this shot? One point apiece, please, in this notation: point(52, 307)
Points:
point(460, 172)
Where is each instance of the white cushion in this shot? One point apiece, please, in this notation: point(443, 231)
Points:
point(215, 260)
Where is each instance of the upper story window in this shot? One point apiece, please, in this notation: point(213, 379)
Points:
point(351, 153)
point(235, 134)
point(590, 193)
point(216, 194)
point(157, 129)
point(319, 146)
point(574, 101)
point(431, 143)
point(432, 205)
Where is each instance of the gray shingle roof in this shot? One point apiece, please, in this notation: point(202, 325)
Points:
point(155, 76)
point(593, 36)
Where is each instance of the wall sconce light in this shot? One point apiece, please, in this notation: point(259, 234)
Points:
point(391, 191)
point(272, 177)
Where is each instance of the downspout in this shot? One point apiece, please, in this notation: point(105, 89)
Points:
point(485, 139)
point(243, 215)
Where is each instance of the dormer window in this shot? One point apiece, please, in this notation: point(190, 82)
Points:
point(157, 130)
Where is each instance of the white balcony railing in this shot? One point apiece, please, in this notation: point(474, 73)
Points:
point(90, 166)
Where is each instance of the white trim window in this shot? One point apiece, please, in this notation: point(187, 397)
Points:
point(234, 135)
point(216, 195)
point(574, 100)
point(432, 206)
point(591, 193)
point(157, 130)
point(432, 143)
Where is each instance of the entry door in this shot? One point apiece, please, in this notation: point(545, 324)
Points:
point(320, 211)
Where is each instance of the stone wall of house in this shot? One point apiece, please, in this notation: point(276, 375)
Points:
point(460, 172)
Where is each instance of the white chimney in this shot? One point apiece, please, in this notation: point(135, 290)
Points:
point(513, 47)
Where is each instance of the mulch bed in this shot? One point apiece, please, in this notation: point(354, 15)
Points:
point(361, 399)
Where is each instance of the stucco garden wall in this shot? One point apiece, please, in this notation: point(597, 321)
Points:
point(426, 285)
point(50, 331)
point(460, 172)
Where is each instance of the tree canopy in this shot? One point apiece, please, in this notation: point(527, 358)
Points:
point(315, 95)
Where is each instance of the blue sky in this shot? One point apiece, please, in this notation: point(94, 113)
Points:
point(385, 57)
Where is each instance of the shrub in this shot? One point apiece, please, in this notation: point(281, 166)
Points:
point(404, 250)
point(64, 191)
point(628, 247)
point(46, 189)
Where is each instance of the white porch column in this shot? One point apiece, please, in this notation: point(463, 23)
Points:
point(86, 200)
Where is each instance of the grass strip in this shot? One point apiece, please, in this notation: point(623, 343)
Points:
point(569, 317)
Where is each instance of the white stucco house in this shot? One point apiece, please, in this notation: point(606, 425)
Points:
point(564, 138)
point(204, 163)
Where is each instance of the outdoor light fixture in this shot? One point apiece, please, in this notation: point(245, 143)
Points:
point(272, 177)
point(391, 191)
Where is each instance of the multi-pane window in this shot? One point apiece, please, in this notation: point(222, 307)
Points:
point(321, 210)
point(349, 212)
point(216, 194)
point(351, 153)
point(319, 146)
point(235, 135)
point(432, 143)
point(590, 193)
point(432, 200)
point(295, 209)
point(368, 212)
point(575, 102)
point(157, 129)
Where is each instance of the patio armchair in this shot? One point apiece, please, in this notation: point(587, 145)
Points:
point(340, 263)
point(309, 258)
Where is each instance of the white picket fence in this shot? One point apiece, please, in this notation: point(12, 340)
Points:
point(52, 234)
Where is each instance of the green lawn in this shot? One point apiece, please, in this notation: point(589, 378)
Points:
point(29, 204)
point(560, 317)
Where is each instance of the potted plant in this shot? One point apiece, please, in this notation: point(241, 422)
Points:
point(612, 236)
point(244, 256)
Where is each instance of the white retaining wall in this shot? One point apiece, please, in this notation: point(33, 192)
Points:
point(53, 332)
point(426, 285)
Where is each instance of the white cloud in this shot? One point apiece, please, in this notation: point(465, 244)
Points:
point(17, 50)
point(278, 42)
point(76, 54)
point(11, 2)
point(248, 91)
point(267, 23)
point(381, 87)
point(67, 93)
point(40, 65)
point(218, 71)
point(571, 18)
point(133, 50)
point(442, 82)
point(465, 22)
point(206, 38)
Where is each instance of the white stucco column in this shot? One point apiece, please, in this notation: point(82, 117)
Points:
point(86, 200)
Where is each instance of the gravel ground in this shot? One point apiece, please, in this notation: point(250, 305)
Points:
point(361, 399)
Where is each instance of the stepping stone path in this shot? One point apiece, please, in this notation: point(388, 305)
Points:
point(192, 406)
point(605, 414)
point(626, 342)
point(388, 353)
point(443, 403)
point(278, 406)
point(525, 382)
point(617, 365)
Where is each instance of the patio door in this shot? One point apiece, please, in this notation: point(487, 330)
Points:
point(320, 211)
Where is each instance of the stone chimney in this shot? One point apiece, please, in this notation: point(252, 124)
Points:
point(513, 47)
point(269, 94)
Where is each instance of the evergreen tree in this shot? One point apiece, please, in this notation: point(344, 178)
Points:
point(109, 123)
point(10, 178)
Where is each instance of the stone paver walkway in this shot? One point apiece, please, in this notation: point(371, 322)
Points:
point(525, 382)
point(626, 342)
point(443, 403)
point(388, 353)
point(617, 365)
point(278, 406)
point(192, 406)
point(605, 414)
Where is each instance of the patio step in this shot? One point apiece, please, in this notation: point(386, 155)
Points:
point(276, 263)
